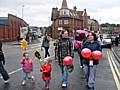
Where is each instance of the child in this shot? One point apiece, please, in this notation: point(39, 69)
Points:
point(27, 67)
point(46, 72)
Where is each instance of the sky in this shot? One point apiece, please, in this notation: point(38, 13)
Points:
point(38, 12)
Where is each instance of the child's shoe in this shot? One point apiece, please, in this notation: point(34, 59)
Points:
point(24, 82)
point(47, 88)
point(32, 78)
point(64, 85)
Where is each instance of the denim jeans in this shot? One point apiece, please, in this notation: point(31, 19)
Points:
point(3, 72)
point(65, 75)
point(47, 82)
point(90, 73)
point(27, 76)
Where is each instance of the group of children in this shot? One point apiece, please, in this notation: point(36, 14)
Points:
point(45, 68)
point(27, 67)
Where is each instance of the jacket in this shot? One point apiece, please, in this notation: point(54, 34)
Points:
point(27, 65)
point(2, 58)
point(46, 71)
point(46, 42)
point(92, 46)
point(65, 48)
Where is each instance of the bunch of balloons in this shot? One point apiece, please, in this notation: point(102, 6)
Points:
point(86, 53)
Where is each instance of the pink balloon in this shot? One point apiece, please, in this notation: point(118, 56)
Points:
point(86, 53)
point(77, 44)
point(68, 60)
point(97, 55)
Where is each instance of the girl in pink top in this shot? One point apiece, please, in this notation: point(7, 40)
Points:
point(27, 66)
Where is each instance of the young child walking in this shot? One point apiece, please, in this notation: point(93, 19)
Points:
point(27, 66)
point(46, 72)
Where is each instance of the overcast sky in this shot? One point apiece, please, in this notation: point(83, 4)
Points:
point(38, 12)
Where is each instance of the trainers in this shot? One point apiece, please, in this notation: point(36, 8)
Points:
point(23, 83)
point(64, 85)
point(81, 66)
point(32, 78)
point(47, 88)
point(6, 81)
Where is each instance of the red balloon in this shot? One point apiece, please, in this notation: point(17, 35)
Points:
point(86, 53)
point(97, 55)
point(68, 60)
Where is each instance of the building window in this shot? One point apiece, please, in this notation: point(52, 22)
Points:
point(60, 22)
point(64, 12)
point(65, 21)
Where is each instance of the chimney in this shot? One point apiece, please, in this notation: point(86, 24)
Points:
point(74, 8)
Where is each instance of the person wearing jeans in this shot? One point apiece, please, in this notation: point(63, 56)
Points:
point(3, 72)
point(90, 69)
point(64, 76)
point(27, 66)
point(46, 44)
point(90, 73)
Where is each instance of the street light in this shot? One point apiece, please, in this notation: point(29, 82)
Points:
point(23, 11)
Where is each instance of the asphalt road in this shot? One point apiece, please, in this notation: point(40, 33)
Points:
point(13, 54)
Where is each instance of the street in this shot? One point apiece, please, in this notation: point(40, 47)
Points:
point(13, 54)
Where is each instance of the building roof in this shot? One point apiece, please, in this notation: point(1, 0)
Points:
point(64, 4)
point(4, 20)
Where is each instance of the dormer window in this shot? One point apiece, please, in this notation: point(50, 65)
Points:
point(64, 12)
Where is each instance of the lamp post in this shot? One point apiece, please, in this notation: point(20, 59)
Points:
point(99, 26)
point(23, 11)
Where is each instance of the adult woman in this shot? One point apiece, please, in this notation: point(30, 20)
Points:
point(46, 44)
point(89, 70)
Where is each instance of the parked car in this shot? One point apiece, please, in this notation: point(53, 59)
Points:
point(108, 42)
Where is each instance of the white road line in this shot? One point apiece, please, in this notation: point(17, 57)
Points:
point(38, 46)
point(15, 71)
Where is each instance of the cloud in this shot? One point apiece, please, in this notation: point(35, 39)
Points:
point(38, 12)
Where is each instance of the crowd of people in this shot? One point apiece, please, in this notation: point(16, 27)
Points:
point(65, 54)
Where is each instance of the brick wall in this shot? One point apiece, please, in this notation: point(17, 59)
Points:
point(10, 32)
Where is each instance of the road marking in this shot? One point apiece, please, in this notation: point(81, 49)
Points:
point(117, 71)
point(113, 72)
point(38, 46)
point(13, 72)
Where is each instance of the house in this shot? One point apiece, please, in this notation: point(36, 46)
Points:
point(68, 19)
